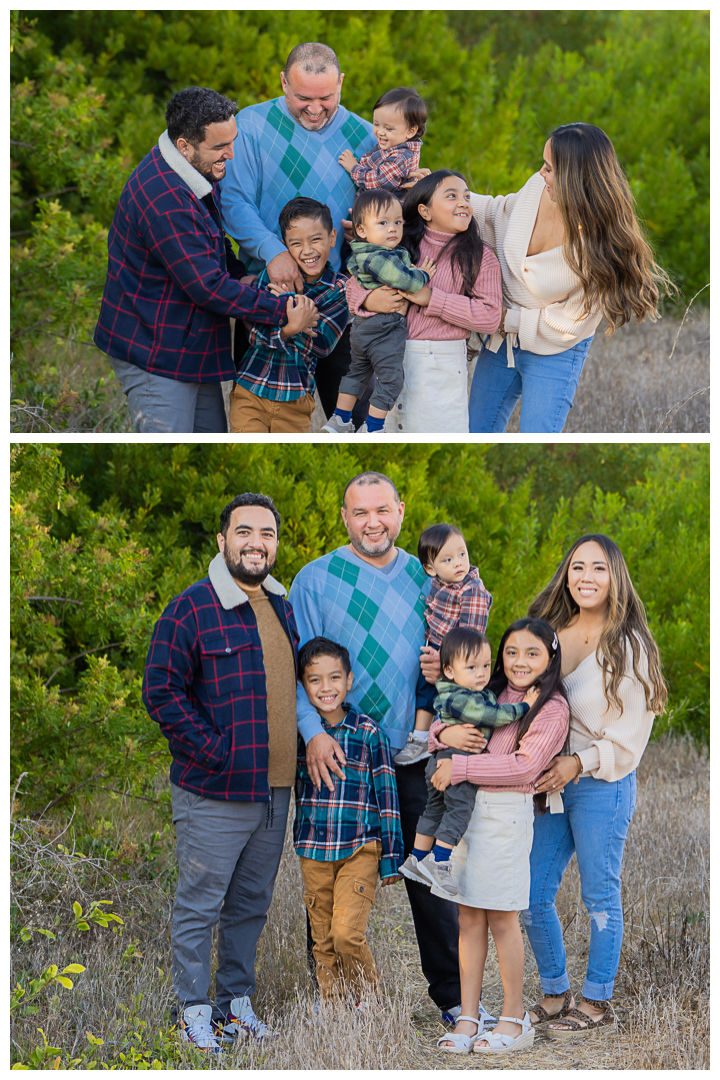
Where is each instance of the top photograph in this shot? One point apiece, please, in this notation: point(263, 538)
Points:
point(341, 223)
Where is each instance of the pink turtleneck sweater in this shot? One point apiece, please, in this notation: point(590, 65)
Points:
point(500, 767)
point(450, 315)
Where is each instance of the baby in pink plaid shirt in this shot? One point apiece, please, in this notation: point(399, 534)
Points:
point(399, 119)
point(457, 598)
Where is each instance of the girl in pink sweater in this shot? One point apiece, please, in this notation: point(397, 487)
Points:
point(464, 296)
point(492, 861)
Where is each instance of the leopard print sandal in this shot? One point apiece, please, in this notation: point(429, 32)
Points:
point(544, 1017)
point(571, 1028)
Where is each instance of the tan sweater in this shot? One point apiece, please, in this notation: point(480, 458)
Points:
point(609, 745)
point(543, 297)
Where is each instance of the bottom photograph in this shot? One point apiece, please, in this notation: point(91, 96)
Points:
point(360, 758)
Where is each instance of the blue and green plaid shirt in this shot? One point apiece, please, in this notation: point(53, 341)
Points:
point(285, 370)
point(363, 807)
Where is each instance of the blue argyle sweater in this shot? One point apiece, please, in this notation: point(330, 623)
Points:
point(276, 160)
point(378, 617)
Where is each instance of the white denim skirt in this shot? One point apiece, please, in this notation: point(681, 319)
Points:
point(491, 864)
point(434, 397)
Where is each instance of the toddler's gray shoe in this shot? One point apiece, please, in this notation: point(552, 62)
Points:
point(336, 426)
point(413, 869)
point(441, 875)
point(414, 750)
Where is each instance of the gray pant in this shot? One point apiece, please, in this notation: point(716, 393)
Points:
point(167, 405)
point(447, 813)
point(377, 344)
point(228, 856)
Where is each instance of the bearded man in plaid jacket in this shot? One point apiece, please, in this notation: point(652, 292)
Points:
point(220, 680)
point(173, 281)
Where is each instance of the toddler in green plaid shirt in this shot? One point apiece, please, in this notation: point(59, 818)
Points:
point(377, 343)
point(346, 836)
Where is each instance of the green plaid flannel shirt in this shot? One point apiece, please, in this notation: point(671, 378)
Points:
point(455, 705)
point(373, 266)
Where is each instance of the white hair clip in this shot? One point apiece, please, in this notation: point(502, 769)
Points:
point(555, 642)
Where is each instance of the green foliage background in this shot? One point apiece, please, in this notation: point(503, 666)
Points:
point(89, 92)
point(104, 535)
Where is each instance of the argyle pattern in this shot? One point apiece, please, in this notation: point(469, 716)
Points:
point(379, 619)
point(276, 160)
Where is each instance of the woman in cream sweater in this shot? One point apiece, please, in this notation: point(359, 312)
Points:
point(612, 678)
point(571, 252)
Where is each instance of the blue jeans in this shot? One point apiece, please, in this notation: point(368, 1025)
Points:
point(547, 385)
point(594, 826)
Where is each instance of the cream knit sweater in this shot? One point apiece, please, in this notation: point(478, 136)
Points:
point(608, 744)
point(543, 297)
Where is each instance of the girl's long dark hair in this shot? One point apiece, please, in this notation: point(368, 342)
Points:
point(549, 683)
point(465, 248)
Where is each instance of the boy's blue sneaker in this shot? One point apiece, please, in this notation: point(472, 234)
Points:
point(451, 1015)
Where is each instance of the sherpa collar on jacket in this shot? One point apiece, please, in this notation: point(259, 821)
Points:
point(187, 172)
point(228, 591)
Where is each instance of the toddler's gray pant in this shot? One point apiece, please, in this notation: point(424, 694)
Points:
point(377, 344)
point(447, 813)
point(228, 855)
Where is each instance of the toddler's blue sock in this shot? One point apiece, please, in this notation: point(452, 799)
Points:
point(442, 854)
point(344, 414)
point(375, 423)
point(419, 855)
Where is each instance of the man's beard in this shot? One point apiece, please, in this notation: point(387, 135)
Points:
point(205, 170)
point(243, 574)
point(357, 542)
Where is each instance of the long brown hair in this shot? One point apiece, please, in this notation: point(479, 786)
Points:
point(465, 248)
point(604, 244)
point(625, 622)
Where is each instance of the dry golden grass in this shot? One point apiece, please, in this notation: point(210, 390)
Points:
point(661, 993)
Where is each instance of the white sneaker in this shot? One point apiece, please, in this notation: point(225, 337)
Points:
point(415, 749)
point(336, 426)
point(242, 1022)
point(195, 1027)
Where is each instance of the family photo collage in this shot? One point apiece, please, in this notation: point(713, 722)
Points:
point(359, 470)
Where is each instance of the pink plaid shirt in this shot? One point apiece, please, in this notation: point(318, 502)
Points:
point(461, 603)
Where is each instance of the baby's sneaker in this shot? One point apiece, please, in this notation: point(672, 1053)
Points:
point(415, 749)
point(441, 874)
point(336, 426)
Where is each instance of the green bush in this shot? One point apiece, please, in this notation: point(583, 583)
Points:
point(95, 559)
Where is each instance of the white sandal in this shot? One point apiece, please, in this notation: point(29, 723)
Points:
point(505, 1044)
point(461, 1044)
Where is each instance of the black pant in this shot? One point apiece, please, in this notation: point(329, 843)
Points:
point(328, 373)
point(435, 919)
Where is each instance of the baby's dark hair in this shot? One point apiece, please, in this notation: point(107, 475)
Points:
point(433, 540)
point(368, 202)
point(322, 646)
point(461, 643)
point(304, 208)
point(410, 104)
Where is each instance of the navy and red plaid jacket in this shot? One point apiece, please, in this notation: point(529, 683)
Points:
point(168, 294)
point(204, 685)
point(460, 603)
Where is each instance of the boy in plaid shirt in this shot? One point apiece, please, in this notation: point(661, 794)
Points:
point(377, 343)
point(457, 598)
point(399, 119)
point(465, 661)
point(344, 836)
point(275, 387)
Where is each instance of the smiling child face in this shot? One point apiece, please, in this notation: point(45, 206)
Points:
point(309, 243)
